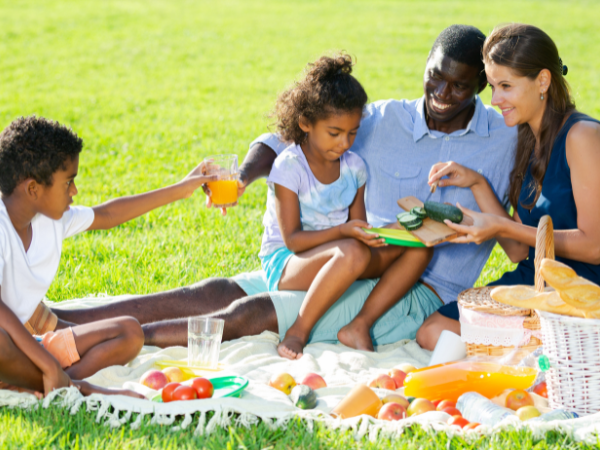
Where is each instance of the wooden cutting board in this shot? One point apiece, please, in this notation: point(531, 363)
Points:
point(432, 232)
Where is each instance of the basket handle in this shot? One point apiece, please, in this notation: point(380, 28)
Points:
point(544, 248)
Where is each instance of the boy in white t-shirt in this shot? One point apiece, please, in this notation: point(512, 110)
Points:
point(39, 160)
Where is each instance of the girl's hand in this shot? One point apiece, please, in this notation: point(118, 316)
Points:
point(484, 228)
point(354, 229)
point(55, 378)
point(458, 175)
point(195, 179)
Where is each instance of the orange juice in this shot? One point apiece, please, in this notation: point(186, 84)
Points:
point(223, 192)
point(360, 400)
point(451, 380)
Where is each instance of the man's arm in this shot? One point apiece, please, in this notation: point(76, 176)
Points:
point(53, 375)
point(121, 210)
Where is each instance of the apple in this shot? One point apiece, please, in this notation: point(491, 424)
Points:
point(458, 420)
point(527, 412)
point(406, 368)
point(167, 392)
point(203, 387)
point(445, 404)
point(314, 381)
point(398, 376)
point(541, 389)
point(396, 398)
point(391, 411)
point(383, 381)
point(154, 379)
point(517, 399)
point(283, 382)
point(184, 392)
point(174, 374)
point(452, 411)
point(419, 406)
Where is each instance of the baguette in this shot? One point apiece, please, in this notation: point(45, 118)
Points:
point(550, 301)
point(573, 289)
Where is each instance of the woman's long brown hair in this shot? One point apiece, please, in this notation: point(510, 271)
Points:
point(527, 50)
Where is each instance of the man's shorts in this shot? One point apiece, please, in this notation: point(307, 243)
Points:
point(400, 322)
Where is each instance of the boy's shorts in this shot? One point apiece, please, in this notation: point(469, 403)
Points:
point(61, 345)
point(273, 266)
point(42, 320)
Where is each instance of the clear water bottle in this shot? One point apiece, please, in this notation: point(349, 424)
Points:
point(476, 408)
point(557, 414)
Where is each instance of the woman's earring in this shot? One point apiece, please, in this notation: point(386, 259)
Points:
point(542, 96)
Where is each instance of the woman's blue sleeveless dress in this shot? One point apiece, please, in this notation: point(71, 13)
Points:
point(557, 201)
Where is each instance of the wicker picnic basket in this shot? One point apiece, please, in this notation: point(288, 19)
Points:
point(479, 302)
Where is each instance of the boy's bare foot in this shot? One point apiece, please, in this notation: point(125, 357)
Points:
point(10, 387)
point(357, 334)
point(292, 345)
point(88, 389)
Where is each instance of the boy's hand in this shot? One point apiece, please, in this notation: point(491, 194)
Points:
point(195, 179)
point(55, 378)
point(354, 229)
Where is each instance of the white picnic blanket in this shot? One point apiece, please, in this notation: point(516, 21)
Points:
point(256, 358)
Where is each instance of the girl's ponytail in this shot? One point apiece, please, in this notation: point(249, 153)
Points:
point(327, 88)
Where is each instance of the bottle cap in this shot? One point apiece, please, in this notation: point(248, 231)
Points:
point(543, 363)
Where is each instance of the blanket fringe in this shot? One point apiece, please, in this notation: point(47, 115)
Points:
point(224, 417)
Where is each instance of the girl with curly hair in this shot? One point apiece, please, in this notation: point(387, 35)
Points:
point(314, 239)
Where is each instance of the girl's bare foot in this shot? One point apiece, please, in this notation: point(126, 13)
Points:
point(357, 334)
point(88, 389)
point(292, 345)
point(10, 387)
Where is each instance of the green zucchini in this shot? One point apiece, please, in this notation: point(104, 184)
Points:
point(414, 226)
point(440, 212)
point(419, 211)
point(408, 220)
point(303, 397)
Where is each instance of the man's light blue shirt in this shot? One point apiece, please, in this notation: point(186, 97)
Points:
point(399, 149)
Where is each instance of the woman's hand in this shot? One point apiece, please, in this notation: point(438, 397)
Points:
point(458, 175)
point(55, 378)
point(354, 229)
point(484, 228)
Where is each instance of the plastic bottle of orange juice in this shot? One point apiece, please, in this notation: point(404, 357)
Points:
point(451, 380)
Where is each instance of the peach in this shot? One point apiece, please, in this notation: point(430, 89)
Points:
point(314, 381)
point(396, 398)
point(154, 379)
point(174, 374)
point(383, 382)
point(398, 376)
point(391, 411)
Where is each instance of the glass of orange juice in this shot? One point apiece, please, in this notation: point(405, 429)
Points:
point(224, 191)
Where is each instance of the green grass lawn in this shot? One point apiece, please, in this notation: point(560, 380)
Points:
point(154, 86)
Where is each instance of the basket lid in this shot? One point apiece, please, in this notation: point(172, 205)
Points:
point(479, 299)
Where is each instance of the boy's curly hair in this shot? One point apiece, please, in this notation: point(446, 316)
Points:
point(327, 88)
point(34, 147)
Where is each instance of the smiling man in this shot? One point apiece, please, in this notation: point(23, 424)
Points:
point(399, 141)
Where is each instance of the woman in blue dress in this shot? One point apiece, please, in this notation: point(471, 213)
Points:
point(557, 159)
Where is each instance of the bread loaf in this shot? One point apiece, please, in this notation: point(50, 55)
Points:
point(573, 289)
point(527, 297)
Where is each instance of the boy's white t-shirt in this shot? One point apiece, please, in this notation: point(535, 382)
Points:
point(26, 276)
point(322, 206)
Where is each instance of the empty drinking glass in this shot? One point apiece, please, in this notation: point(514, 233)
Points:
point(204, 341)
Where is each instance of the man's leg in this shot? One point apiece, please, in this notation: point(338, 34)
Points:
point(429, 333)
point(205, 297)
point(247, 316)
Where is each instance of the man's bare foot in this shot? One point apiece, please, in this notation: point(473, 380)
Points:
point(292, 345)
point(357, 334)
point(88, 389)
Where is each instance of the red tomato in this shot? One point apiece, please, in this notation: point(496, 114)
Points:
point(203, 387)
point(541, 389)
point(471, 426)
point(458, 420)
point(452, 411)
point(445, 404)
point(184, 393)
point(436, 402)
point(167, 392)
